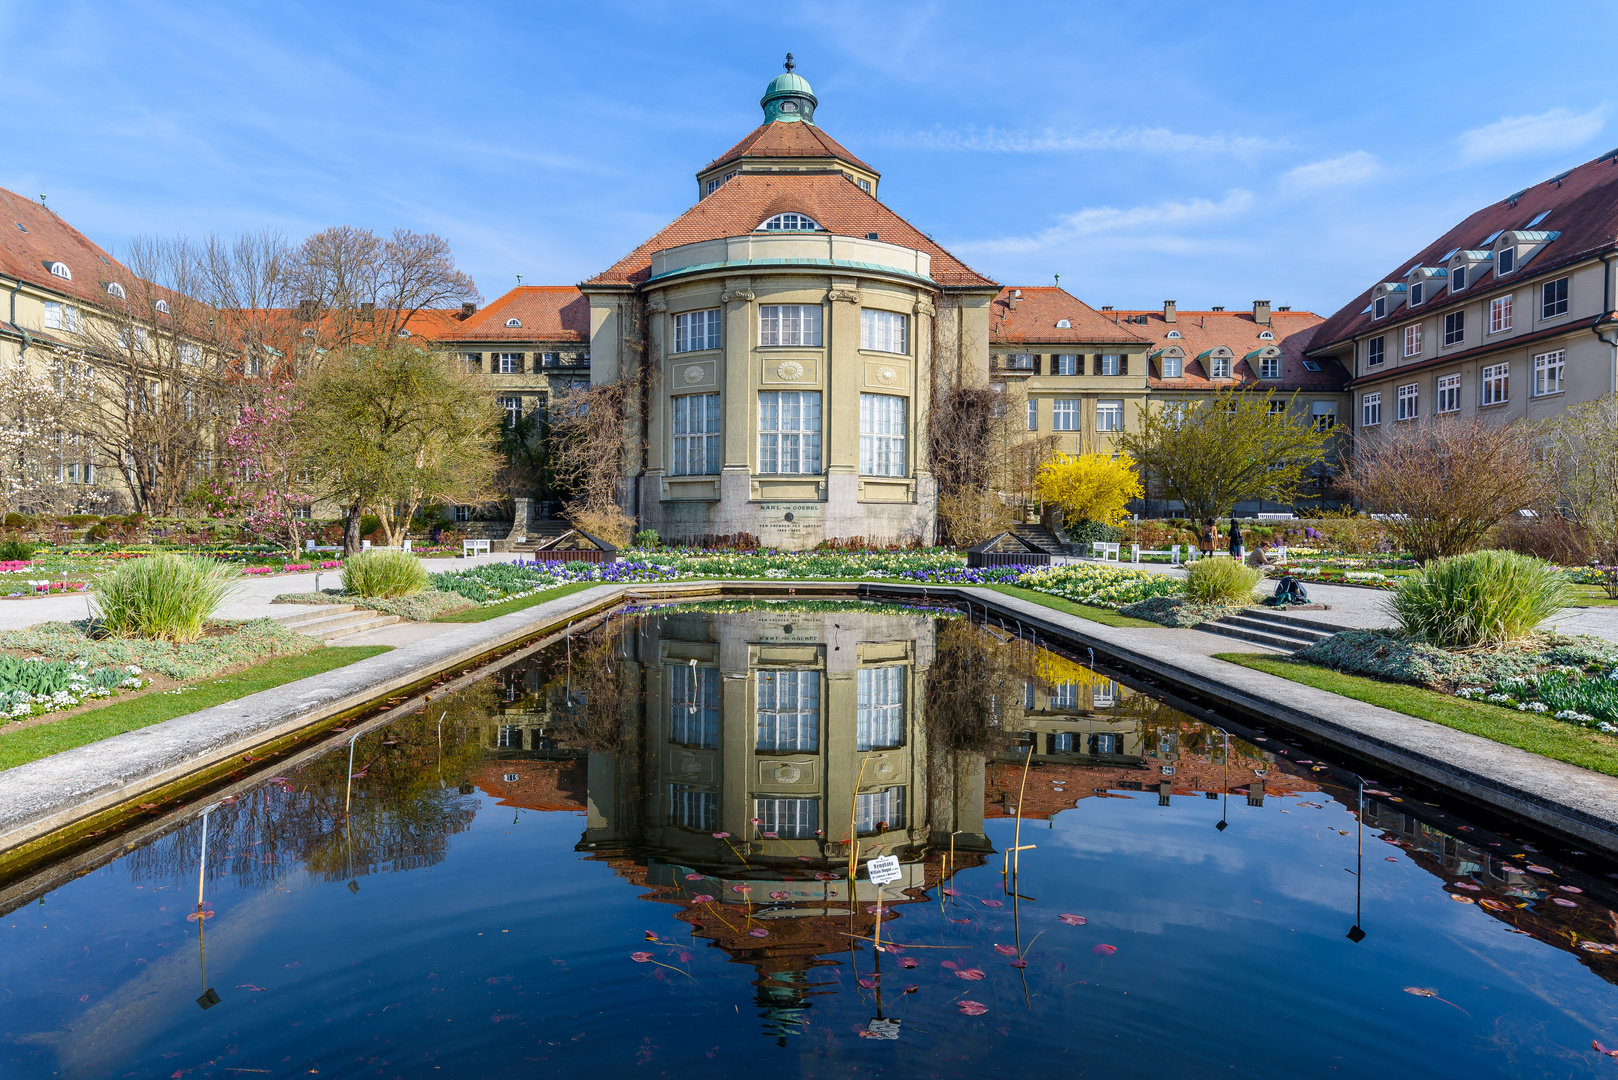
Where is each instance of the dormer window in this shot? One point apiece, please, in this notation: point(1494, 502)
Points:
point(1457, 278)
point(1417, 290)
point(1379, 307)
point(1174, 333)
point(59, 269)
point(1064, 324)
point(162, 307)
point(513, 324)
point(789, 223)
point(115, 289)
point(1505, 260)
point(404, 333)
point(1266, 336)
point(1172, 364)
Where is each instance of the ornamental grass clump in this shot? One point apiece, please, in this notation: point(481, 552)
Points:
point(1221, 581)
point(1482, 598)
point(383, 574)
point(164, 597)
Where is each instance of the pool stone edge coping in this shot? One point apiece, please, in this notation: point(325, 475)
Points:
point(66, 789)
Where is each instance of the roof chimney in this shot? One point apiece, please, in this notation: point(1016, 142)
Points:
point(368, 311)
point(1261, 312)
point(468, 310)
point(1171, 310)
point(308, 309)
point(1217, 307)
point(1016, 298)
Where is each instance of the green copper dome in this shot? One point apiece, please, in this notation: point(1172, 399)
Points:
point(788, 98)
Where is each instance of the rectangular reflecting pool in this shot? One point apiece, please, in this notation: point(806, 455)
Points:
point(629, 854)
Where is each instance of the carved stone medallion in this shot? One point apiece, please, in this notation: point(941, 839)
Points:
point(694, 373)
point(790, 370)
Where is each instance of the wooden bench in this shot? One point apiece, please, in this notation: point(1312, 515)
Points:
point(1136, 551)
point(1100, 549)
point(470, 548)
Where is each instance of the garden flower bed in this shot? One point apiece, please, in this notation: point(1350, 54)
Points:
point(1099, 585)
point(227, 644)
point(33, 686)
point(1574, 679)
point(423, 606)
point(1179, 611)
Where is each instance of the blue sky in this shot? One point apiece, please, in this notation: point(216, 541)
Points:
point(1211, 154)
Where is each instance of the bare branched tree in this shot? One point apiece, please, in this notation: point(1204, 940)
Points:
point(1443, 485)
point(366, 290)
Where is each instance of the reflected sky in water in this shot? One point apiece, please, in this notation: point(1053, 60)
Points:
point(630, 853)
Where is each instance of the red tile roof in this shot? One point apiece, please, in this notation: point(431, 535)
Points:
point(547, 313)
point(1583, 208)
point(1201, 331)
point(1035, 317)
point(738, 207)
point(26, 253)
point(787, 139)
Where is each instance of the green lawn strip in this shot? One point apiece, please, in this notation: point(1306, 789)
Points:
point(27, 744)
point(1536, 734)
point(1105, 616)
point(506, 607)
point(1591, 596)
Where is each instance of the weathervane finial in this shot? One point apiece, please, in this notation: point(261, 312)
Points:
point(789, 64)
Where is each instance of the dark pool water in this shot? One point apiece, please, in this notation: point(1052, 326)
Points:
point(514, 888)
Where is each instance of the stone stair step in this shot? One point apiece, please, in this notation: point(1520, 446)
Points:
point(375, 622)
point(1257, 637)
point(1281, 618)
point(320, 614)
point(1268, 626)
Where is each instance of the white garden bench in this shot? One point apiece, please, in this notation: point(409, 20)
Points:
point(1100, 549)
point(310, 547)
point(470, 548)
point(1136, 551)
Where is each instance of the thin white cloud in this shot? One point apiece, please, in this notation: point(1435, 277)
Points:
point(992, 140)
point(1352, 168)
point(1138, 221)
point(1557, 129)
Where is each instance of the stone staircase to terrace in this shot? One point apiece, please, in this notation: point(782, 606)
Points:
point(334, 622)
point(1041, 537)
point(1273, 629)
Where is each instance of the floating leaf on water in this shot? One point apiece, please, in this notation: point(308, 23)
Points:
point(741, 888)
point(1073, 920)
point(868, 983)
point(769, 836)
point(702, 898)
point(912, 988)
point(1570, 888)
point(1493, 905)
point(876, 909)
point(641, 957)
point(950, 892)
point(895, 949)
point(821, 875)
point(992, 903)
point(909, 962)
point(1461, 899)
point(952, 965)
point(1104, 950)
point(1540, 869)
point(1019, 963)
point(1468, 886)
point(1421, 991)
point(1596, 1043)
point(1006, 950)
point(1563, 903)
point(721, 835)
point(250, 986)
point(970, 974)
point(1390, 858)
point(651, 936)
point(960, 920)
point(759, 931)
point(195, 915)
point(973, 1008)
point(695, 877)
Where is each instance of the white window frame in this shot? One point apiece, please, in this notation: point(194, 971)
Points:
point(696, 331)
point(1324, 414)
point(1218, 367)
point(1417, 292)
point(796, 325)
point(1412, 339)
point(789, 432)
point(1505, 260)
point(692, 809)
point(787, 817)
point(1269, 367)
point(884, 331)
point(872, 808)
point(1494, 385)
point(1560, 304)
point(786, 710)
point(1447, 394)
point(694, 706)
point(1457, 279)
point(883, 431)
point(1371, 408)
point(511, 405)
point(1408, 402)
point(1501, 310)
point(879, 707)
point(790, 221)
point(1550, 373)
point(695, 421)
point(1110, 415)
point(1065, 364)
point(1065, 414)
point(1379, 308)
point(1173, 366)
point(1033, 414)
point(53, 315)
point(1108, 364)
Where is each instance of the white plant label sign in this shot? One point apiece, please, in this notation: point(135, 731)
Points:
point(883, 870)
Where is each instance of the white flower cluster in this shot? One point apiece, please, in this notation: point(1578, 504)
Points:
point(1534, 707)
point(1578, 717)
point(1364, 575)
point(1471, 693)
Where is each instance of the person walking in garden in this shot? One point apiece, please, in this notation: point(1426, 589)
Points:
point(1208, 539)
point(1235, 539)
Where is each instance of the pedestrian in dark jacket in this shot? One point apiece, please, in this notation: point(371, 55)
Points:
point(1235, 538)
